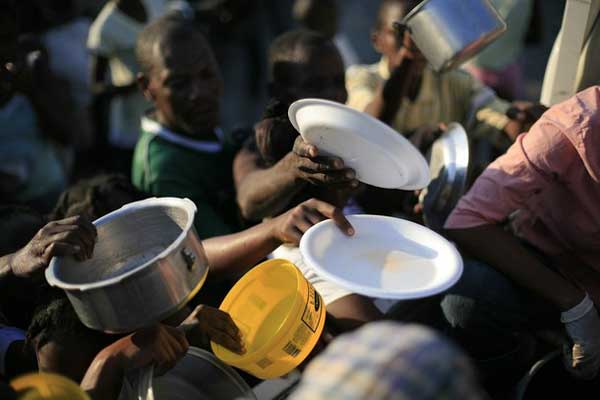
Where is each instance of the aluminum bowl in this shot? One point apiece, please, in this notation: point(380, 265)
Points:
point(147, 263)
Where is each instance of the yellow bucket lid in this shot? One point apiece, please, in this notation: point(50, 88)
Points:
point(46, 386)
point(280, 315)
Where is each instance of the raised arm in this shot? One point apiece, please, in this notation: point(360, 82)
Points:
point(264, 192)
point(235, 254)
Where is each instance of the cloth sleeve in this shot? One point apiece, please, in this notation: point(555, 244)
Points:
point(534, 161)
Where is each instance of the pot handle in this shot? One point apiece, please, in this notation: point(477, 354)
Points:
point(189, 258)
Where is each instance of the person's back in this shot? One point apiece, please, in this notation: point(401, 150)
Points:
point(181, 151)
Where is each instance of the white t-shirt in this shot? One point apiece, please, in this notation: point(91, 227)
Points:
point(113, 35)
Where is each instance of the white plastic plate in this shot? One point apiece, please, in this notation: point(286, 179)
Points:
point(380, 156)
point(386, 258)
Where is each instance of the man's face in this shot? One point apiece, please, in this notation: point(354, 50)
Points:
point(186, 87)
point(320, 76)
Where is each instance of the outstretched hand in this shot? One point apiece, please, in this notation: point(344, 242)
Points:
point(290, 227)
point(74, 236)
point(207, 324)
point(310, 166)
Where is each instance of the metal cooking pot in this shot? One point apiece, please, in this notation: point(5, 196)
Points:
point(197, 376)
point(449, 32)
point(148, 262)
point(449, 166)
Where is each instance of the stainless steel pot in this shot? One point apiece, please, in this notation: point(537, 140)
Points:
point(148, 262)
point(449, 166)
point(197, 376)
point(449, 32)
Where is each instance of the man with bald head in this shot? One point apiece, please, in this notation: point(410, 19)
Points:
point(182, 151)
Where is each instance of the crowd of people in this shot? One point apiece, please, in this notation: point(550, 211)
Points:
point(135, 102)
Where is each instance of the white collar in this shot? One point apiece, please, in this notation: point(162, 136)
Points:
point(206, 146)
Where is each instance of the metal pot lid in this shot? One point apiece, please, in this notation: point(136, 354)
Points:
point(199, 375)
point(126, 269)
point(449, 165)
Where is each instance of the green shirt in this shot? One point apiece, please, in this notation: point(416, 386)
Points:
point(168, 164)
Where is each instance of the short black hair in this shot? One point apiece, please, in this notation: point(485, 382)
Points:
point(57, 321)
point(291, 48)
point(385, 5)
point(94, 197)
point(169, 28)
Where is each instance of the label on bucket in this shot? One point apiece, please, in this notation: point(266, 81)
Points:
point(312, 311)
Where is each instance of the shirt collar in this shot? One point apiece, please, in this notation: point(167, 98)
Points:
point(205, 146)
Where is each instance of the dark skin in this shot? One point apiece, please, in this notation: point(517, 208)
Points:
point(263, 192)
point(162, 346)
point(491, 244)
point(185, 86)
point(74, 236)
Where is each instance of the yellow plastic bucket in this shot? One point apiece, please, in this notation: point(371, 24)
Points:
point(281, 317)
point(46, 386)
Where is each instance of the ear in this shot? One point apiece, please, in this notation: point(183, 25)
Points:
point(144, 84)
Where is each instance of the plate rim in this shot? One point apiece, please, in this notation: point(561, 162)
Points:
point(374, 292)
point(386, 130)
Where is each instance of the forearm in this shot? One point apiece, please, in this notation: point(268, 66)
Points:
point(233, 255)
point(104, 378)
point(267, 192)
point(501, 250)
point(6, 271)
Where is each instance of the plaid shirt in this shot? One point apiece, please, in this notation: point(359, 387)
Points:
point(386, 360)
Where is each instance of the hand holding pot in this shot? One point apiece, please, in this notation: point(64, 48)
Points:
point(74, 236)
point(161, 345)
point(207, 324)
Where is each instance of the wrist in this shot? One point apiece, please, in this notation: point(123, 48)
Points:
point(286, 168)
point(275, 239)
point(11, 265)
